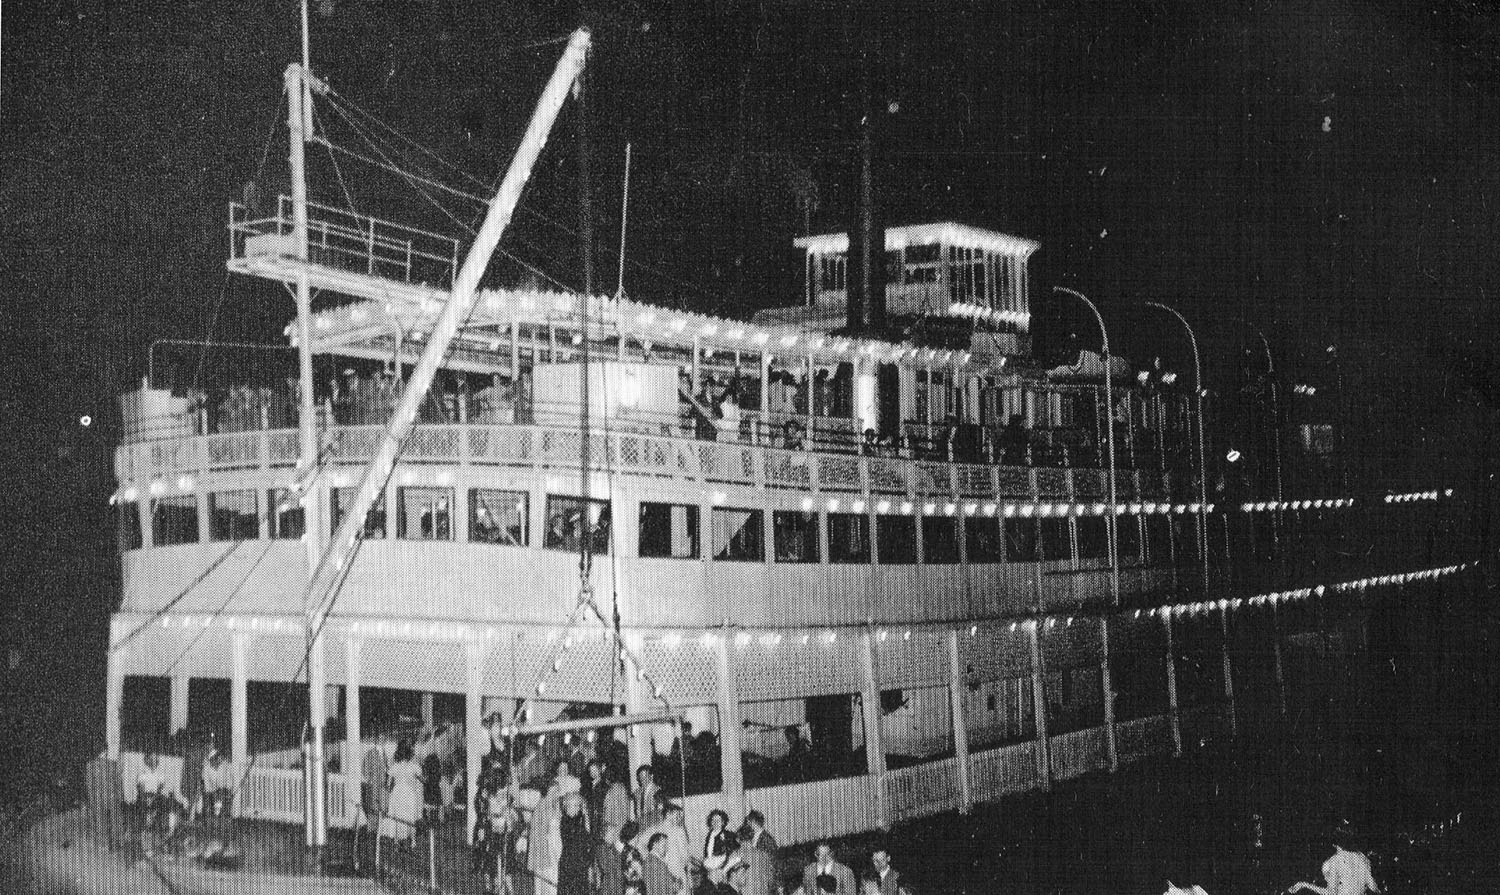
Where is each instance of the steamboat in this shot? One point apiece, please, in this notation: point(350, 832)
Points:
point(842, 577)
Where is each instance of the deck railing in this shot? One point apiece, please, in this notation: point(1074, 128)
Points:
point(669, 456)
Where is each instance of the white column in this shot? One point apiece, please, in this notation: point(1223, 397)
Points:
point(1166, 621)
point(317, 710)
point(1228, 674)
point(353, 751)
point(178, 714)
point(731, 771)
point(239, 710)
point(1110, 748)
point(426, 709)
point(475, 735)
point(114, 694)
point(1039, 705)
point(874, 747)
point(960, 729)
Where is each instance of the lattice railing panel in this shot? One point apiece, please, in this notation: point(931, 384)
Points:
point(282, 447)
point(239, 449)
point(888, 476)
point(788, 468)
point(1091, 482)
point(975, 481)
point(276, 657)
point(686, 669)
point(353, 444)
point(765, 670)
point(932, 478)
point(572, 667)
point(995, 653)
point(558, 447)
point(1015, 481)
point(433, 443)
point(837, 473)
point(172, 454)
point(1052, 482)
point(433, 667)
point(1071, 646)
point(501, 444)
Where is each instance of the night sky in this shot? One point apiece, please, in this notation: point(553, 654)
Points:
point(1326, 170)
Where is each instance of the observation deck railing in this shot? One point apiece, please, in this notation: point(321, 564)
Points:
point(347, 241)
point(633, 452)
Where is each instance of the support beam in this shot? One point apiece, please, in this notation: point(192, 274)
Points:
point(354, 759)
point(476, 737)
point(1276, 653)
point(239, 710)
point(1234, 726)
point(1039, 706)
point(874, 746)
point(1107, 679)
point(1172, 713)
point(960, 728)
point(317, 694)
point(114, 695)
point(732, 772)
point(178, 714)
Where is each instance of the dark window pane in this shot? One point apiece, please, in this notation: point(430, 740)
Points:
point(232, 516)
point(424, 514)
point(982, 539)
point(737, 535)
point(796, 537)
point(566, 524)
point(848, 537)
point(288, 521)
point(174, 520)
point(1057, 540)
point(1093, 537)
point(340, 499)
point(130, 526)
point(498, 517)
point(1128, 538)
point(1159, 540)
point(668, 530)
point(1022, 540)
point(896, 539)
point(939, 539)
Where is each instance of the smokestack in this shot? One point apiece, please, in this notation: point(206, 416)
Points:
point(866, 270)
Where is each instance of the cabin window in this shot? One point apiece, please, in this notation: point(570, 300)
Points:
point(1022, 540)
point(1128, 539)
point(896, 539)
point(848, 537)
point(967, 283)
point(668, 531)
point(288, 521)
point(1093, 537)
point(939, 539)
point(1185, 538)
point(341, 499)
point(566, 525)
point(232, 516)
point(737, 535)
point(174, 520)
point(922, 262)
point(129, 528)
point(498, 517)
point(796, 536)
point(1057, 540)
point(424, 514)
point(1159, 540)
point(982, 539)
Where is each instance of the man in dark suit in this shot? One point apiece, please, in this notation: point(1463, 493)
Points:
point(886, 876)
point(754, 833)
point(826, 874)
point(659, 877)
point(609, 870)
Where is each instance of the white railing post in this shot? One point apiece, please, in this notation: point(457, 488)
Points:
point(1172, 712)
point(1039, 706)
point(874, 747)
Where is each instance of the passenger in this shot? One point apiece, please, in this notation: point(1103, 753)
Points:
point(826, 874)
point(887, 879)
point(1344, 873)
point(658, 874)
point(720, 843)
point(218, 785)
point(753, 832)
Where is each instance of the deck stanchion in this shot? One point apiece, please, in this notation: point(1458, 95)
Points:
point(1107, 682)
point(874, 747)
point(960, 730)
point(1039, 706)
point(1172, 713)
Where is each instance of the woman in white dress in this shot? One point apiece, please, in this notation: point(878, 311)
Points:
point(546, 831)
point(405, 807)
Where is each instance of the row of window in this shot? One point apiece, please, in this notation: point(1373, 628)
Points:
point(669, 530)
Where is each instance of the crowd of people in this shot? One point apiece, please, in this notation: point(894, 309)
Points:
point(204, 791)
